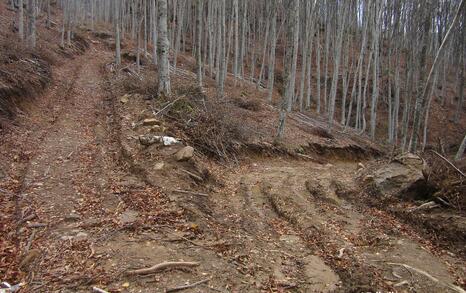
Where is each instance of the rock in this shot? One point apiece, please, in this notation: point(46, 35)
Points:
point(184, 154)
point(148, 140)
point(91, 222)
point(159, 166)
point(72, 217)
point(129, 217)
point(150, 122)
point(157, 128)
point(80, 236)
point(361, 166)
point(168, 140)
point(124, 99)
point(403, 173)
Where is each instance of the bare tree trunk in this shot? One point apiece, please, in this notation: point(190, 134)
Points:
point(21, 20)
point(264, 51)
point(154, 31)
point(180, 19)
point(273, 45)
point(163, 50)
point(199, 41)
point(291, 57)
point(337, 56)
point(32, 23)
point(292, 51)
point(462, 53)
point(236, 24)
point(375, 77)
point(318, 94)
point(117, 33)
point(461, 149)
point(48, 14)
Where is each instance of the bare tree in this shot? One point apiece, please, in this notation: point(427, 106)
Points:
point(21, 19)
point(163, 49)
point(117, 32)
point(32, 23)
point(461, 149)
point(291, 59)
point(423, 97)
point(199, 10)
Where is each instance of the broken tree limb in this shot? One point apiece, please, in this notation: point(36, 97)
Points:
point(98, 290)
point(425, 206)
point(166, 107)
point(27, 218)
point(192, 175)
point(36, 225)
point(162, 266)
point(429, 276)
point(190, 192)
point(184, 287)
point(450, 163)
point(29, 243)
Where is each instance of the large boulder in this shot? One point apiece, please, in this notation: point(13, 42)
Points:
point(403, 173)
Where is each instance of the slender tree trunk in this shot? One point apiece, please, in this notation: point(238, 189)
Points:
point(375, 77)
point(292, 50)
point(32, 23)
point(318, 94)
point(21, 20)
point(117, 33)
point(199, 41)
point(291, 57)
point(154, 31)
point(336, 60)
point(236, 24)
point(273, 45)
point(163, 50)
point(461, 149)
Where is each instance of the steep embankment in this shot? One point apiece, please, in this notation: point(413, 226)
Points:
point(25, 72)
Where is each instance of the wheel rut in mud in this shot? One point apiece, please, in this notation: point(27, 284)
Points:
point(306, 211)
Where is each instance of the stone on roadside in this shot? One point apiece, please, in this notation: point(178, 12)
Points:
point(403, 173)
point(150, 122)
point(128, 217)
point(159, 166)
point(80, 236)
point(184, 154)
point(124, 99)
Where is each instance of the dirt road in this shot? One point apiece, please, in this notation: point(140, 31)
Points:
point(273, 225)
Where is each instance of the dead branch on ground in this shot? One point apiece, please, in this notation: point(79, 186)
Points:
point(162, 266)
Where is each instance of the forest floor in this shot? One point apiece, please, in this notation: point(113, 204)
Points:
point(80, 213)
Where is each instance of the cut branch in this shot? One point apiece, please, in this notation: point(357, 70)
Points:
point(163, 266)
point(184, 287)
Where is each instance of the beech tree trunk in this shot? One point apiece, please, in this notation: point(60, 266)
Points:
point(163, 50)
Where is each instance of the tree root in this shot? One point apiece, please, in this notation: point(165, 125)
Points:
point(432, 278)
